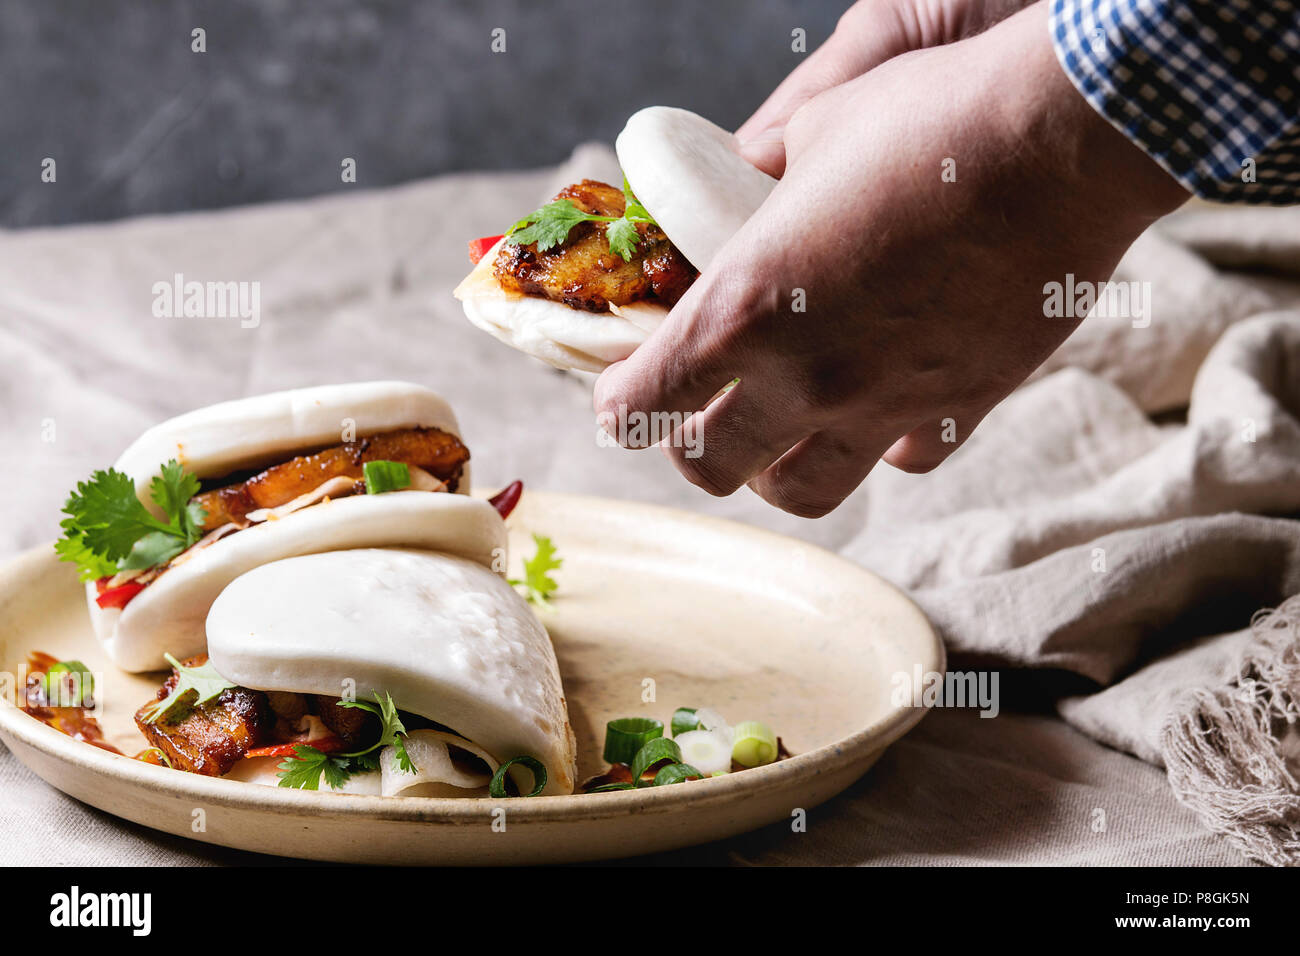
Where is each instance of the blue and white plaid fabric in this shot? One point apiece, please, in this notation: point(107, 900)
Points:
point(1210, 89)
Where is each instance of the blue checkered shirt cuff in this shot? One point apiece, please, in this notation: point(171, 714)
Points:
point(1210, 89)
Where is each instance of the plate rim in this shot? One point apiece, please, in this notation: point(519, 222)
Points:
point(452, 811)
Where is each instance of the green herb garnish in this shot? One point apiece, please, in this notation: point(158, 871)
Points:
point(536, 582)
point(550, 225)
point(71, 691)
point(203, 682)
point(382, 476)
point(303, 771)
point(108, 529)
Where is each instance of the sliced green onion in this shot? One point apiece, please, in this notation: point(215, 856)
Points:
point(625, 736)
point(654, 752)
point(754, 744)
point(382, 476)
point(608, 787)
point(497, 788)
point(83, 688)
point(675, 773)
point(710, 750)
point(684, 719)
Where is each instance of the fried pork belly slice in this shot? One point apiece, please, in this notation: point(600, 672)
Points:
point(287, 711)
point(209, 739)
point(441, 454)
point(583, 274)
point(353, 724)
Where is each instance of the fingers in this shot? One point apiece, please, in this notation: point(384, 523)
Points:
point(679, 368)
point(920, 450)
point(814, 477)
point(928, 445)
point(760, 139)
point(867, 35)
point(734, 439)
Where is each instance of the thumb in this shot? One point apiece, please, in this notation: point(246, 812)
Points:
point(861, 42)
point(679, 368)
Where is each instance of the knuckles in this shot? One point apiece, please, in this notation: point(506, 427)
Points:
point(802, 506)
point(792, 496)
point(703, 473)
point(915, 464)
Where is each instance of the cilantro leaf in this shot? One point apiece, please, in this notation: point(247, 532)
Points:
point(171, 490)
point(366, 761)
point(203, 682)
point(391, 731)
point(632, 206)
point(155, 548)
point(537, 583)
point(90, 566)
point(108, 528)
point(404, 762)
point(303, 770)
point(623, 238)
point(548, 226)
point(390, 724)
point(337, 771)
point(106, 515)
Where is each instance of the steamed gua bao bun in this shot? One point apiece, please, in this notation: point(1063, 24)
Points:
point(581, 305)
point(446, 637)
point(305, 446)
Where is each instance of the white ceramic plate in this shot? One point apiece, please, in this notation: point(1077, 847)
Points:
point(689, 610)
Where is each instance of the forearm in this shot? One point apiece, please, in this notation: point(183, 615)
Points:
point(1104, 177)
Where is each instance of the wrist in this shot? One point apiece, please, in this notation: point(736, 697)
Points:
point(1110, 180)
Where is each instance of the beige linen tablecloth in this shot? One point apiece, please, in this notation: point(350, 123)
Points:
point(1089, 536)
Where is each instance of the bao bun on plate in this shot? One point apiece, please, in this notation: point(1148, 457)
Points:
point(446, 637)
point(167, 616)
point(687, 173)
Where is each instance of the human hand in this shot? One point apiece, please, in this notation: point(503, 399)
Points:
point(924, 298)
point(869, 33)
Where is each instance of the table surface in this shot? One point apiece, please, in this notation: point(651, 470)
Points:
point(357, 287)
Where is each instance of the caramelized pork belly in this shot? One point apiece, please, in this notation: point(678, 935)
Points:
point(211, 738)
point(583, 274)
point(441, 454)
point(354, 725)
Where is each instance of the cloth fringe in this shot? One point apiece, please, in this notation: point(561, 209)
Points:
point(1223, 748)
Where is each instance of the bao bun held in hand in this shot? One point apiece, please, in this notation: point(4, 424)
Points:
point(687, 174)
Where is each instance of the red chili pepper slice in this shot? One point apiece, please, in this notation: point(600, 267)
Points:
point(326, 745)
point(119, 596)
point(506, 499)
point(478, 248)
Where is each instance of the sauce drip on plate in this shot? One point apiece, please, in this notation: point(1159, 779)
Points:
point(75, 722)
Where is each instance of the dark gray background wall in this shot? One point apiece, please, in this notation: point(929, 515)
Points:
point(138, 123)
